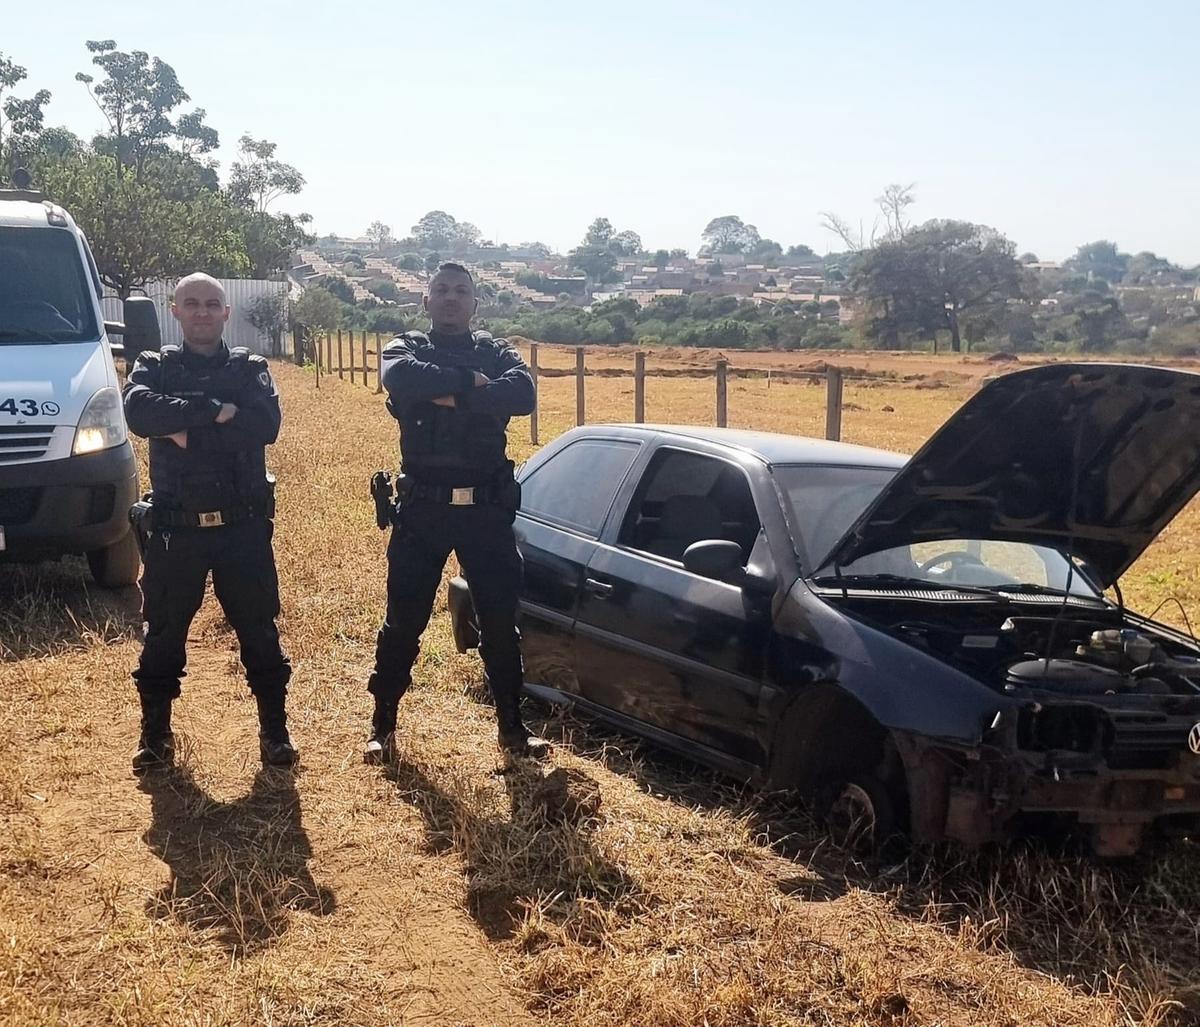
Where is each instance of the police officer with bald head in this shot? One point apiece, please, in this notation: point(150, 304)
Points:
point(209, 413)
point(453, 392)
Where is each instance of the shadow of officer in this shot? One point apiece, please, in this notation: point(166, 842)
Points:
point(238, 869)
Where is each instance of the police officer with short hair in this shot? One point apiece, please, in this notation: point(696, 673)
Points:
point(209, 413)
point(453, 392)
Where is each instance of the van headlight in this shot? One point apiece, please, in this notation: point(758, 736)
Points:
point(102, 424)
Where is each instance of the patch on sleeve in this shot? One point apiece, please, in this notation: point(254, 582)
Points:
point(264, 379)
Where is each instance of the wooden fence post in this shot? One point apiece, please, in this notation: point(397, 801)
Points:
point(833, 404)
point(533, 371)
point(579, 404)
point(639, 387)
point(351, 342)
point(364, 357)
point(316, 355)
point(722, 393)
point(341, 371)
point(378, 364)
point(327, 338)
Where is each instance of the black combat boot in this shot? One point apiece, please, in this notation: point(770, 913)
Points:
point(156, 746)
point(514, 736)
point(381, 746)
point(274, 743)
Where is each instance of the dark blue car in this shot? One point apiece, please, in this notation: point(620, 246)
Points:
point(922, 645)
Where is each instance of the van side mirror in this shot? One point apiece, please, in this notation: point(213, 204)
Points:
point(141, 325)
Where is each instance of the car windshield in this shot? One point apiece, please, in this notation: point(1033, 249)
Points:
point(45, 294)
point(823, 502)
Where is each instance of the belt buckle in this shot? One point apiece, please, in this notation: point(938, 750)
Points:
point(212, 519)
point(462, 497)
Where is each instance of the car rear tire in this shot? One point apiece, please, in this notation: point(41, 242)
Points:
point(116, 566)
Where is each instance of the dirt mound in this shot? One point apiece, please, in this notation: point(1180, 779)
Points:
point(1002, 357)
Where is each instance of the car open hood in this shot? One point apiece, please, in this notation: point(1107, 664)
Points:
point(1094, 459)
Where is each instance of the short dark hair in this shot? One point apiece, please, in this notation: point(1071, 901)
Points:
point(450, 265)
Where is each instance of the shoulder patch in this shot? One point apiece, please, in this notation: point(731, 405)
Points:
point(264, 378)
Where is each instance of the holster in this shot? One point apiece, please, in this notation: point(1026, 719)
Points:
point(141, 517)
point(382, 493)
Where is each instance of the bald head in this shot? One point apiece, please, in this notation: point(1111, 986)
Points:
point(201, 310)
point(199, 277)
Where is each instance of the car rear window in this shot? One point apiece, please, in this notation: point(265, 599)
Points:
point(575, 487)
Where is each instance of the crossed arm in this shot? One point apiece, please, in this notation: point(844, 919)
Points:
point(209, 424)
point(409, 380)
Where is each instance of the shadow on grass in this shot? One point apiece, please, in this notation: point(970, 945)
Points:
point(44, 607)
point(1124, 927)
point(238, 869)
point(544, 855)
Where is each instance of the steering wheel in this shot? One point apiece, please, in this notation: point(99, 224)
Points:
point(41, 311)
point(954, 559)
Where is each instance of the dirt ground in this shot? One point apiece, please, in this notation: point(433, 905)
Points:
point(612, 886)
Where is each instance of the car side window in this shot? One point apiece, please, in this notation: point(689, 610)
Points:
point(575, 488)
point(689, 497)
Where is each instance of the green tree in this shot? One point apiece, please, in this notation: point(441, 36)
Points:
point(20, 119)
point(141, 230)
point(934, 276)
point(137, 95)
point(729, 234)
point(661, 259)
point(801, 252)
point(380, 235)
point(318, 310)
point(765, 250)
point(594, 256)
point(1101, 259)
point(626, 244)
point(337, 286)
point(599, 233)
point(257, 178)
point(269, 314)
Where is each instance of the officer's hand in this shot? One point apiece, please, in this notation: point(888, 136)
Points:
point(179, 438)
point(444, 401)
point(227, 413)
point(481, 378)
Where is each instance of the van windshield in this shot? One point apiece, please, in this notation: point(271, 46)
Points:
point(45, 293)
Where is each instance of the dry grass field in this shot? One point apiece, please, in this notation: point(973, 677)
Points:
point(438, 892)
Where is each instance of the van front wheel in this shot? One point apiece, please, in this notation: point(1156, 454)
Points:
point(116, 566)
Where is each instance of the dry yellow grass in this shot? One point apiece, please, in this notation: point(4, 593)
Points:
point(440, 891)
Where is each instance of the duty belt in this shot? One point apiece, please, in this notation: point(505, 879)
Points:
point(209, 519)
point(473, 495)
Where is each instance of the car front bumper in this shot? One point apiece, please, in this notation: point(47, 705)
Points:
point(76, 505)
point(981, 795)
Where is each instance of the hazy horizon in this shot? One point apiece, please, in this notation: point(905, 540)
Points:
point(1055, 126)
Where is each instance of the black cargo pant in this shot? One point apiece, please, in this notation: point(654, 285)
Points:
point(176, 565)
point(482, 538)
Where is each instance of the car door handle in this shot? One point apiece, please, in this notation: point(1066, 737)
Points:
point(601, 589)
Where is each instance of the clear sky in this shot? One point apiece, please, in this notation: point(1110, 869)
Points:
point(1055, 122)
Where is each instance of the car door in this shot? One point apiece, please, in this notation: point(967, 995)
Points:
point(565, 500)
point(680, 653)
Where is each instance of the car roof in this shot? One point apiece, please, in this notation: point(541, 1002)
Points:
point(774, 447)
point(22, 213)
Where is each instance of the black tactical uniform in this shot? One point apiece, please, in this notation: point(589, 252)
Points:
point(458, 494)
point(211, 510)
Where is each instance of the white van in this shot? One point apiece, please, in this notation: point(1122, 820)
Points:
point(67, 471)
